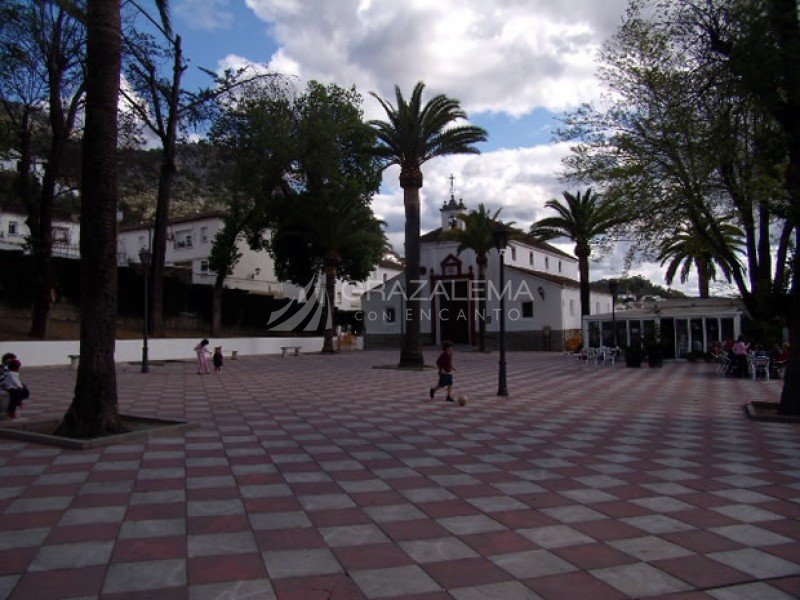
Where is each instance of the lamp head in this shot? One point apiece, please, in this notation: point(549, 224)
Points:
point(541, 292)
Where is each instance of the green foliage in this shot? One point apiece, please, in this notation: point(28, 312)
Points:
point(415, 132)
point(478, 232)
point(639, 287)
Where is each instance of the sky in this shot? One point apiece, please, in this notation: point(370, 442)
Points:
point(516, 66)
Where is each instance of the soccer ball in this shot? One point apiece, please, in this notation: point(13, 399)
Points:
point(462, 400)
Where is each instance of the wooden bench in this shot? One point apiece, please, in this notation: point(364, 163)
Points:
point(285, 349)
point(73, 360)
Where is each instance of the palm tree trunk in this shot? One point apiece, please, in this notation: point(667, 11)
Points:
point(330, 290)
point(702, 278)
point(94, 408)
point(411, 352)
point(583, 271)
point(481, 260)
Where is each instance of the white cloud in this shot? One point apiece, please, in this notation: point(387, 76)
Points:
point(510, 56)
point(208, 15)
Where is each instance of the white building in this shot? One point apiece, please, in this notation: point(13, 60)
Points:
point(14, 231)
point(189, 243)
point(542, 302)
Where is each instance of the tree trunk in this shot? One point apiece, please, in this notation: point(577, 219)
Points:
point(411, 352)
point(330, 307)
point(216, 311)
point(583, 252)
point(165, 179)
point(481, 260)
point(94, 408)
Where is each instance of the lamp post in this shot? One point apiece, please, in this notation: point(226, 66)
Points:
point(145, 257)
point(612, 287)
point(501, 241)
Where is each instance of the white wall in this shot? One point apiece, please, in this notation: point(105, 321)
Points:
point(38, 354)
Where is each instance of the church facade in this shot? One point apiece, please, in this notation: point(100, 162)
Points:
point(542, 294)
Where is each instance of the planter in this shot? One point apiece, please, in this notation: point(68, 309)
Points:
point(633, 359)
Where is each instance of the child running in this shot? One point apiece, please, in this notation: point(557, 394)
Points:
point(446, 368)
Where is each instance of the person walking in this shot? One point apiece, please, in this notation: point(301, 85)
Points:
point(202, 356)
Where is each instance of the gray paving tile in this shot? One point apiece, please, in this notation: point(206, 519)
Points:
point(145, 575)
point(434, 494)
point(326, 502)
point(757, 563)
point(555, 536)
point(152, 528)
point(61, 478)
point(7, 584)
point(438, 549)
point(497, 503)
point(72, 556)
point(254, 589)
point(749, 591)
point(394, 512)
point(279, 520)
point(364, 485)
point(640, 580)
point(23, 538)
point(353, 535)
point(470, 524)
point(663, 504)
point(23, 505)
point(300, 563)
point(158, 497)
point(277, 490)
point(657, 524)
point(750, 535)
point(573, 514)
point(397, 581)
point(86, 516)
point(213, 544)
point(649, 548)
point(532, 563)
point(214, 508)
point(508, 590)
point(747, 513)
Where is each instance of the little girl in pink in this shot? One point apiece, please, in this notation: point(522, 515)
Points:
point(202, 356)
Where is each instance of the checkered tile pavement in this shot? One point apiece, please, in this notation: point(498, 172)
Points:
point(321, 477)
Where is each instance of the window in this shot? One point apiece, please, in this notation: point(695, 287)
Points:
point(61, 235)
point(389, 315)
point(559, 266)
point(530, 259)
point(571, 306)
point(385, 277)
point(546, 262)
point(183, 239)
point(527, 310)
point(204, 235)
point(12, 228)
point(513, 253)
point(203, 266)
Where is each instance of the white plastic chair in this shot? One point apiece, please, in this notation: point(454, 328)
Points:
point(760, 364)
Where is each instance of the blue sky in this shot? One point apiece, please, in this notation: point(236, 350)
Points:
point(515, 66)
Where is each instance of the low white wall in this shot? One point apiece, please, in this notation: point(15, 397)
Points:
point(39, 354)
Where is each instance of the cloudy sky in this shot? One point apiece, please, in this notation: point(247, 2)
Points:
point(515, 66)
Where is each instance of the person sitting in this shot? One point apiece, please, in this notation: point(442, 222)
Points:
point(780, 357)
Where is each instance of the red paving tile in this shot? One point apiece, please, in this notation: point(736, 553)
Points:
point(149, 549)
point(146, 512)
point(55, 585)
point(371, 556)
point(219, 524)
point(498, 542)
point(16, 560)
point(343, 516)
point(702, 542)
point(328, 587)
point(573, 586)
point(289, 539)
point(594, 556)
point(465, 572)
point(418, 529)
point(701, 572)
point(83, 533)
point(213, 569)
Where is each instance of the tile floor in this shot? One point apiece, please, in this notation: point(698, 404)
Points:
point(321, 477)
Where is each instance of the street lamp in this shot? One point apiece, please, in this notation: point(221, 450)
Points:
point(612, 287)
point(500, 236)
point(145, 257)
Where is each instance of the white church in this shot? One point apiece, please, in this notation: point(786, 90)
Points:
point(542, 304)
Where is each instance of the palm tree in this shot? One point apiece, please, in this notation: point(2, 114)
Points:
point(582, 218)
point(686, 248)
point(478, 236)
point(413, 134)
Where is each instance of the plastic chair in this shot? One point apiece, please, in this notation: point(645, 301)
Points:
point(760, 364)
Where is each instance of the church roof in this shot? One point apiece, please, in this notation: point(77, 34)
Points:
point(514, 233)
